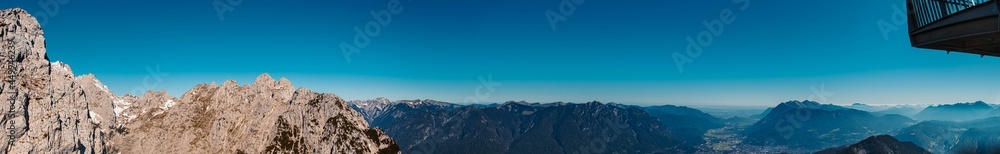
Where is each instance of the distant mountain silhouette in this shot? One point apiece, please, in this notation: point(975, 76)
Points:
point(811, 125)
point(881, 144)
point(519, 127)
point(793, 105)
point(955, 112)
point(900, 110)
point(866, 107)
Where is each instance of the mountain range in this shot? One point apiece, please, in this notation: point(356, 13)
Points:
point(49, 110)
point(905, 110)
point(427, 126)
point(866, 107)
point(811, 125)
point(956, 112)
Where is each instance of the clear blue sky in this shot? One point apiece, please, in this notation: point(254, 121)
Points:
point(612, 51)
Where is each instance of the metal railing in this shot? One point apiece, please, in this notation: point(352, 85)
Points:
point(928, 11)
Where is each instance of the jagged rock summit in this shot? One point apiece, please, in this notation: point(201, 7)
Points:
point(46, 109)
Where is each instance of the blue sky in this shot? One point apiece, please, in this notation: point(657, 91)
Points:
point(612, 51)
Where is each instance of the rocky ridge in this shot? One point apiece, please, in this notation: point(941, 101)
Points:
point(54, 111)
point(878, 144)
point(428, 126)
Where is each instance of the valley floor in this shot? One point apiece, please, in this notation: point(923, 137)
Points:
point(727, 140)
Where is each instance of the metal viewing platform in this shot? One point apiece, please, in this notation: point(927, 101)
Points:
point(969, 26)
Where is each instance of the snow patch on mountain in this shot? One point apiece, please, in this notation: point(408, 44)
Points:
point(168, 104)
point(95, 118)
point(59, 66)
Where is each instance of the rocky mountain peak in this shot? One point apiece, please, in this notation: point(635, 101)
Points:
point(24, 33)
point(50, 110)
point(382, 99)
